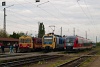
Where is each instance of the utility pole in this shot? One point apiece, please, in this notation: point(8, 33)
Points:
point(5, 20)
point(86, 34)
point(4, 4)
point(96, 39)
point(38, 26)
point(74, 31)
point(61, 31)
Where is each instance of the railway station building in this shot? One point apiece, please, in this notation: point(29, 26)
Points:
point(6, 41)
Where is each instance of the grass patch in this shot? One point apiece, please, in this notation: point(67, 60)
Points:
point(97, 48)
point(59, 62)
point(87, 62)
point(91, 59)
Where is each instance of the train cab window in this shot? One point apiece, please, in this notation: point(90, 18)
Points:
point(48, 39)
point(70, 40)
point(27, 41)
point(21, 40)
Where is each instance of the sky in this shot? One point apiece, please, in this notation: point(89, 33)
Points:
point(81, 15)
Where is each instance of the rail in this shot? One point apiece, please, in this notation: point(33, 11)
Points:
point(76, 62)
point(35, 59)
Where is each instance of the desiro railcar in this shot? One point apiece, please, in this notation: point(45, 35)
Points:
point(77, 43)
point(52, 41)
point(28, 43)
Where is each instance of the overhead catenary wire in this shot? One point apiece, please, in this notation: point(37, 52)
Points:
point(64, 15)
point(89, 11)
point(22, 5)
point(48, 13)
point(19, 18)
point(31, 10)
point(90, 18)
point(83, 11)
point(53, 15)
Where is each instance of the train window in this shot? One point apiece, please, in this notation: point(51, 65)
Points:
point(70, 40)
point(81, 41)
point(39, 41)
point(61, 40)
point(27, 41)
point(21, 40)
point(48, 39)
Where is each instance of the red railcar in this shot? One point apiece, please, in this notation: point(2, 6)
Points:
point(76, 43)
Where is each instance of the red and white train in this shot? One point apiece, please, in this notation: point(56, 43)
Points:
point(77, 43)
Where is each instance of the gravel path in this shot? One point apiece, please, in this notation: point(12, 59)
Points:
point(95, 63)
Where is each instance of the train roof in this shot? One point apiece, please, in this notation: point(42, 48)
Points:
point(8, 39)
point(22, 37)
point(54, 34)
point(75, 37)
point(71, 36)
point(78, 37)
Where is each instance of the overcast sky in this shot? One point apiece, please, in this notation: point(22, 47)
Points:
point(83, 15)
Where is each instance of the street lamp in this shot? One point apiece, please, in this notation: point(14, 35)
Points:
point(86, 34)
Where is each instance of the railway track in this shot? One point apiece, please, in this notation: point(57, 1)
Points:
point(76, 62)
point(24, 61)
point(8, 55)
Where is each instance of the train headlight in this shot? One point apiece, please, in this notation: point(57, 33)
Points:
point(69, 44)
point(28, 45)
point(20, 45)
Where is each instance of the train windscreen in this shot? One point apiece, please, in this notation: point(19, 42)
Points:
point(25, 40)
point(21, 40)
point(70, 40)
point(48, 39)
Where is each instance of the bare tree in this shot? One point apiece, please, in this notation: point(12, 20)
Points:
point(3, 34)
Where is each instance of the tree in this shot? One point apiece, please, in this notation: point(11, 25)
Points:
point(3, 34)
point(16, 35)
point(41, 31)
point(98, 44)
